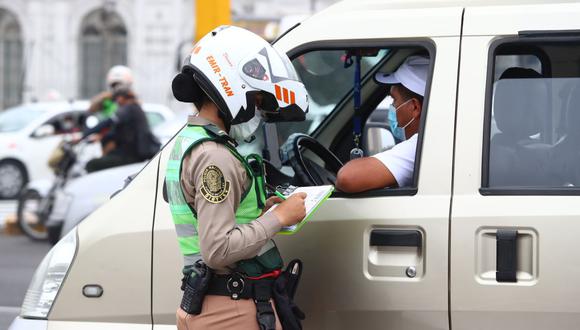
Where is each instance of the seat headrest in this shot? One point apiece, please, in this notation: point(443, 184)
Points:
point(520, 98)
point(573, 113)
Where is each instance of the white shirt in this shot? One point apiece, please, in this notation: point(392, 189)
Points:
point(400, 160)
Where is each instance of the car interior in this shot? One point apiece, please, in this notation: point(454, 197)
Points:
point(532, 140)
point(312, 152)
point(68, 122)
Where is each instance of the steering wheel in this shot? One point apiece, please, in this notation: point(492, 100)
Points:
point(308, 172)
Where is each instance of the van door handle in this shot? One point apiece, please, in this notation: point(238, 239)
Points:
point(506, 255)
point(382, 237)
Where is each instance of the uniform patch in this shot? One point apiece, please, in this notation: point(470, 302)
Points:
point(214, 188)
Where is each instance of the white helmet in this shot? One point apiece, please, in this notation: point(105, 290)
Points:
point(232, 66)
point(119, 76)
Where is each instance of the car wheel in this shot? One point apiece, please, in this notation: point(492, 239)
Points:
point(29, 219)
point(12, 179)
point(54, 232)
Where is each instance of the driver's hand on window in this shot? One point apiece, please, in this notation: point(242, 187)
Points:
point(292, 210)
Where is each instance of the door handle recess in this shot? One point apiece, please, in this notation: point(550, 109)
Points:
point(382, 237)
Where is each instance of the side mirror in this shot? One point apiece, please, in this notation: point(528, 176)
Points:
point(91, 122)
point(44, 131)
point(377, 138)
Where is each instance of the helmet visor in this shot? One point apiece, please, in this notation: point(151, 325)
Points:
point(254, 69)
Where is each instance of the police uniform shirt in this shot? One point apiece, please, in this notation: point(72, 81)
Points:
point(222, 241)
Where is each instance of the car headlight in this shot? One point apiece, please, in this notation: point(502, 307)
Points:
point(48, 278)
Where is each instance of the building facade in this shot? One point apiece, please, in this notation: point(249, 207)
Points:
point(63, 48)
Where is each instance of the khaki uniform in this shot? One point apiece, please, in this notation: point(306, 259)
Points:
point(222, 241)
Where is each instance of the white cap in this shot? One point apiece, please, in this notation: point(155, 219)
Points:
point(412, 74)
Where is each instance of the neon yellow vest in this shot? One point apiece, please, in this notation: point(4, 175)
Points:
point(185, 217)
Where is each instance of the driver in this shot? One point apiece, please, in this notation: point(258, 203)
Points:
point(393, 167)
point(217, 197)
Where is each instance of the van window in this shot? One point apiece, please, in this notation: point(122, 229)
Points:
point(534, 116)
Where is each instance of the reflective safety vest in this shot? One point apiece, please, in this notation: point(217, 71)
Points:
point(250, 207)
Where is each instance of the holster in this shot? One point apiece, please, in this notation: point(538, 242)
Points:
point(283, 293)
point(264, 312)
point(194, 285)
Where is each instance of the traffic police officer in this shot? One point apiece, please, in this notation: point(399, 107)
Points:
point(217, 196)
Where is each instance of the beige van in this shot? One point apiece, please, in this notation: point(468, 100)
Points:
point(486, 237)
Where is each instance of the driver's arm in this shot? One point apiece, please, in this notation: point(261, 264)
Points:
point(390, 168)
point(364, 174)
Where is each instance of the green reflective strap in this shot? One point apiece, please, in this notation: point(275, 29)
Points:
point(189, 244)
point(194, 132)
point(180, 209)
point(185, 230)
point(172, 173)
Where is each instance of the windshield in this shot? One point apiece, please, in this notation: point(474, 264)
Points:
point(15, 119)
point(327, 81)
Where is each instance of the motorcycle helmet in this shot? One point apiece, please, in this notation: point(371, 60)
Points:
point(119, 76)
point(238, 70)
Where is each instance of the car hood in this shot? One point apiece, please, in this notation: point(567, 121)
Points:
point(102, 184)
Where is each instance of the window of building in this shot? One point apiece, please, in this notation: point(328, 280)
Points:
point(533, 117)
point(11, 68)
point(103, 44)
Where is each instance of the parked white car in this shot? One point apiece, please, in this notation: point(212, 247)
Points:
point(30, 132)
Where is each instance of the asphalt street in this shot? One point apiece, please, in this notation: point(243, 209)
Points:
point(19, 257)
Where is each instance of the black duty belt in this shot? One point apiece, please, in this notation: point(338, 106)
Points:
point(237, 286)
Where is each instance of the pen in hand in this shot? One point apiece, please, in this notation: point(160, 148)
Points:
point(277, 193)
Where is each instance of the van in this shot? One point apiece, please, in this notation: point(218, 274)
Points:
point(485, 236)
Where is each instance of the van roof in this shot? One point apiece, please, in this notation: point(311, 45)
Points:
point(412, 4)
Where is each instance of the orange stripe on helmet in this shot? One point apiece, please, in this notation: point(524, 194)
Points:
point(278, 93)
point(292, 97)
point(285, 95)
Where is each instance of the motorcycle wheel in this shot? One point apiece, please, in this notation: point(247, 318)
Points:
point(29, 220)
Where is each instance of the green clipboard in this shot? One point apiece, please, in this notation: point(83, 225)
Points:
point(315, 196)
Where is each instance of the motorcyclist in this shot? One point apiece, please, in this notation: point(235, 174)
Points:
point(131, 138)
point(103, 107)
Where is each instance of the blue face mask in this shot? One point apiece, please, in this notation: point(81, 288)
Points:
point(398, 132)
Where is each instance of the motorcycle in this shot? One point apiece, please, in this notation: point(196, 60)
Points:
point(36, 202)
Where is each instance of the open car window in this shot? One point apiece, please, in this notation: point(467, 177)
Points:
point(328, 73)
point(328, 83)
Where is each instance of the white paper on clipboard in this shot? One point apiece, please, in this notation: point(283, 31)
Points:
point(315, 196)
